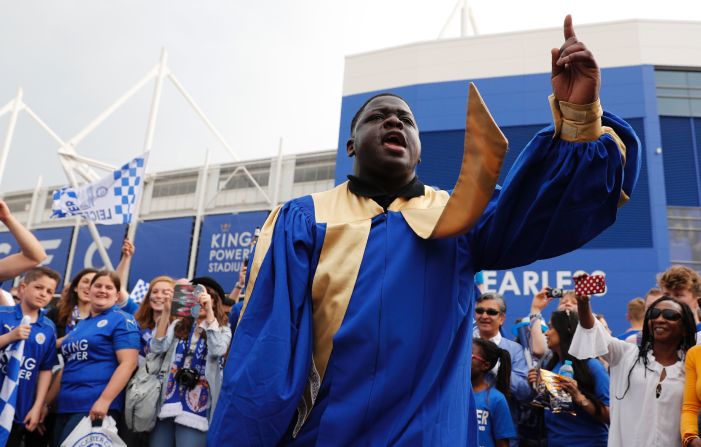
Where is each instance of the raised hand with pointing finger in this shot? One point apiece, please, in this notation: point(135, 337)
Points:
point(575, 74)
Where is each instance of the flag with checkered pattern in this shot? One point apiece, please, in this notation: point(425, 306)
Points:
point(8, 392)
point(110, 200)
point(138, 293)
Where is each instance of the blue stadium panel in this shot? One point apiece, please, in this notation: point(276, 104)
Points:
point(680, 173)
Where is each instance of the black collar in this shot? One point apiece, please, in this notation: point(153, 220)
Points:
point(363, 188)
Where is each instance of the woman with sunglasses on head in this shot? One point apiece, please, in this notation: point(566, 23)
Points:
point(493, 415)
point(647, 381)
point(589, 389)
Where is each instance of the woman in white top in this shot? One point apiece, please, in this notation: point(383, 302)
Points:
point(647, 381)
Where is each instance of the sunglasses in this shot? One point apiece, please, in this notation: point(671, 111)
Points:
point(490, 312)
point(667, 314)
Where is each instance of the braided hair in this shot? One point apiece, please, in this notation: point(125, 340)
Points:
point(647, 342)
point(493, 354)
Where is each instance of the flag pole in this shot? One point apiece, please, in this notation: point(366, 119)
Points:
point(91, 225)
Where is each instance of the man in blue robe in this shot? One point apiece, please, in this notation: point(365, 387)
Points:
point(358, 324)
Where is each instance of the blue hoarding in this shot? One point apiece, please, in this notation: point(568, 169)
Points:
point(629, 273)
point(162, 248)
point(56, 243)
point(224, 244)
point(86, 254)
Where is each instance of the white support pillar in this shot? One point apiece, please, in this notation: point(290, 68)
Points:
point(156, 100)
point(71, 252)
point(33, 204)
point(16, 107)
point(30, 216)
point(464, 19)
point(278, 176)
point(216, 133)
point(201, 195)
point(153, 116)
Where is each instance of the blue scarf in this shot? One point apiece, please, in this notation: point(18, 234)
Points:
point(189, 407)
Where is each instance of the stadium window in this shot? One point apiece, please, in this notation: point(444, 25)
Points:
point(171, 187)
point(259, 172)
point(678, 92)
point(684, 224)
point(313, 172)
point(18, 204)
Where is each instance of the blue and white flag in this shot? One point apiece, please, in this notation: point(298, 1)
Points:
point(138, 293)
point(8, 393)
point(110, 200)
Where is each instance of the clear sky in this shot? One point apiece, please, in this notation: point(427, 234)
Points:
point(261, 70)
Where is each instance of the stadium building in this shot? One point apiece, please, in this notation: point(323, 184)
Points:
point(651, 78)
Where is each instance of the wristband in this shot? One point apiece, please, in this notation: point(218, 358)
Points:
point(535, 316)
point(689, 439)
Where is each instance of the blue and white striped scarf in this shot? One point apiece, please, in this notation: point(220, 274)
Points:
point(8, 393)
point(189, 407)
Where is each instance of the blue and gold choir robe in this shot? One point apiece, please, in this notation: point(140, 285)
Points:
point(358, 327)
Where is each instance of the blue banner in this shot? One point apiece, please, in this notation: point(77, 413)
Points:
point(56, 243)
point(86, 253)
point(224, 243)
point(162, 248)
point(629, 274)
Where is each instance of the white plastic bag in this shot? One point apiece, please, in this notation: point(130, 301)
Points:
point(84, 434)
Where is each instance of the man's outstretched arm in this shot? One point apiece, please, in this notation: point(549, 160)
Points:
point(567, 184)
point(31, 252)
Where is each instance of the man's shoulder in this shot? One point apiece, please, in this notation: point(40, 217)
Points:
point(510, 345)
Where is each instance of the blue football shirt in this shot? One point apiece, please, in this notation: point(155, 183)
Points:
point(89, 352)
point(493, 417)
point(129, 307)
point(39, 355)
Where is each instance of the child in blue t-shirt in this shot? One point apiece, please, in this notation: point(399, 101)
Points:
point(39, 355)
point(493, 417)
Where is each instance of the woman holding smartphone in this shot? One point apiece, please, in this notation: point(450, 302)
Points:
point(191, 387)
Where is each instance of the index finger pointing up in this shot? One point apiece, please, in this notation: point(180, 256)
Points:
point(569, 29)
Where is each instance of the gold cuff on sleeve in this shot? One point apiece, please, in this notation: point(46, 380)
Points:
point(575, 122)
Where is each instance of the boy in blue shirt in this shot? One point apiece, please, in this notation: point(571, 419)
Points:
point(35, 292)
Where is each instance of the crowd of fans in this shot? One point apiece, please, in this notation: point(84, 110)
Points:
point(640, 387)
point(81, 351)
